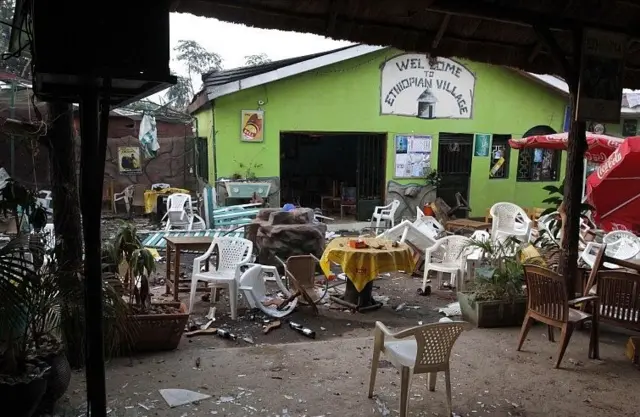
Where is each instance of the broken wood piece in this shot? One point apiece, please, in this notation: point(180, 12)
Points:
point(273, 325)
point(201, 332)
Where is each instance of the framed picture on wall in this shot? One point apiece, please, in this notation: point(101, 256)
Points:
point(129, 160)
point(252, 126)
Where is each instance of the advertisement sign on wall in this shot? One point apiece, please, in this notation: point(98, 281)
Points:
point(129, 160)
point(414, 85)
point(252, 126)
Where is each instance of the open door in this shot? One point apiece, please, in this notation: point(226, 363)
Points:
point(370, 174)
point(454, 165)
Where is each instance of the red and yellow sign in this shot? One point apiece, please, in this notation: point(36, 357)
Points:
point(252, 123)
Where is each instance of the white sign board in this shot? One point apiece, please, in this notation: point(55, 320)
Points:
point(411, 85)
point(601, 74)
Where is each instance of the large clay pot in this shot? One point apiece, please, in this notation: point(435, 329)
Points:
point(58, 379)
point(21, 399)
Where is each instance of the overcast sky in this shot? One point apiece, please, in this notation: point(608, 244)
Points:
point(233, 42)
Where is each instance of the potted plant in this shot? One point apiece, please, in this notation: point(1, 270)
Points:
point(245, 184)
point(157, 326)
point(496, 296)
point(23, 379)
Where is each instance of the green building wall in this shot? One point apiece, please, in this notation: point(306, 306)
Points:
point(345, 97)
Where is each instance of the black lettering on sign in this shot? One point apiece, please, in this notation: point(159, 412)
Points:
point(409, 63)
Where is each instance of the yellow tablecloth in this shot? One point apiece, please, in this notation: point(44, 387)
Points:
point(151, 197)
point(363, 265)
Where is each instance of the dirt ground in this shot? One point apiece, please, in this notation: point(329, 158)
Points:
point(330, 378)
point(284, 374)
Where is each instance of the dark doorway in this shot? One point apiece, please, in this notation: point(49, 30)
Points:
point(340, 173)
point(454, 165)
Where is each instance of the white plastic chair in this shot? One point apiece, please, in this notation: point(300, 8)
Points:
point(407, 231)
point(233, 252)
point(126, 195)
point(623, 249)
point(252, 284)
point(160, 186)
point(419, 350)
point(44, 199)
point(180, 214)
point(511, 220)
point(386, 213)
point(447, 255)
point(429, 226)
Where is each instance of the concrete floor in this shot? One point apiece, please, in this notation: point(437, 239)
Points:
point(330, 378)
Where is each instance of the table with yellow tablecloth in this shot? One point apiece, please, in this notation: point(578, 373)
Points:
point(151, 197)
point(362, 266)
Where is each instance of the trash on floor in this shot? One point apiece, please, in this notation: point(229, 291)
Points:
point(450, 310)
point(176, 397)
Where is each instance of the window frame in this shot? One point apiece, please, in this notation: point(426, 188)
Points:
point(503, 141)
point(556, 165)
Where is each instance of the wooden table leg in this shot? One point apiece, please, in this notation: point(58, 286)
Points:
point(176, 275)
point(168, 274)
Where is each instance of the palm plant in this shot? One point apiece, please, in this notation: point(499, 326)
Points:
point(18, 279)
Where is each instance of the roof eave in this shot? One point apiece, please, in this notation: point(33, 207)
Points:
point(288, 71)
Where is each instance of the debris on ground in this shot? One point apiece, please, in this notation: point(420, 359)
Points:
point(271, 326)
point(201, 332)
point(176, 397)
point(451, 310)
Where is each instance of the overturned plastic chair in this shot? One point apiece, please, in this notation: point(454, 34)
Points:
point(180, 214)
point(254, 289)
point(419, 350)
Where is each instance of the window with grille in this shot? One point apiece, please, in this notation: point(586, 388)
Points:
point(538, 165)
point(499, 157)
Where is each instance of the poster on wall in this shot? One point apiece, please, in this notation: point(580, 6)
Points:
point(413, 85)
point(129, 160)
point(412, 156)
point(482, 142)
point(252, 122)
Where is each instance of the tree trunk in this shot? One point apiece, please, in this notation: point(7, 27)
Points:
point(67, 225)
point(572, 199)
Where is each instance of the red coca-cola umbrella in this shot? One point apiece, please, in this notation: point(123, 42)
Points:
point(614, 188)
point(599, 147)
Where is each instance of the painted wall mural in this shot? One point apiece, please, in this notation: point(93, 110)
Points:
point(411, 85)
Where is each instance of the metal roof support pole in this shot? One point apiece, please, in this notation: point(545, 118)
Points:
point(92, 167)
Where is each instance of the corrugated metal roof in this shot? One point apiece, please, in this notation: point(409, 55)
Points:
point(213, 79)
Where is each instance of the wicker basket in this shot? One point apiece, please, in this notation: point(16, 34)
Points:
point(159, 331)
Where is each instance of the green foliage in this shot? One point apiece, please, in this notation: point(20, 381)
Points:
point(197, 61)
point(248, 171)
point(555, 199)
point(434, 178)
point(18, 65)
point(128, 249)
point(500, 275)
point(17, 281)
point(255, 60)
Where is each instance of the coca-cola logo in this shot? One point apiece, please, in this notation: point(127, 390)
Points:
point(614, 143)
point(618, 226)
point(609, 164)
point(596, 157)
